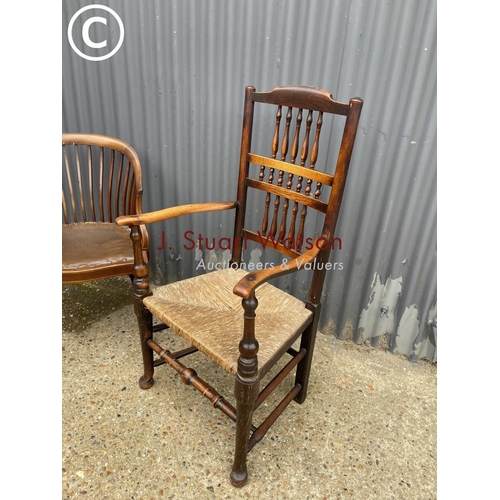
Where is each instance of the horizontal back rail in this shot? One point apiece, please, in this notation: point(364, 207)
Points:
point(291, 168)
point(303, 199)
point(293, 96)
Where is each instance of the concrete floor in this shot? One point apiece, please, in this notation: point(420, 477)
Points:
point(367, 429)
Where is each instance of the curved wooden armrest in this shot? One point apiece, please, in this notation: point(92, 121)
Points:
point(252, 280)
point(170, 213)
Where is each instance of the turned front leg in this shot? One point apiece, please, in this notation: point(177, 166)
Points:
point(140, 287)
point(246, 391)
point(145, 322)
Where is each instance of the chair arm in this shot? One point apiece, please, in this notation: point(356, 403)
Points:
point(170, 213)
point(254, 279)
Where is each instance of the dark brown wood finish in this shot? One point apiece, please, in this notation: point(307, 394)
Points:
point(102, 179)
point(291, 191)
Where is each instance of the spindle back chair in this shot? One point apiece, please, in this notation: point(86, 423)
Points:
point(234, 317)
point(102, 179)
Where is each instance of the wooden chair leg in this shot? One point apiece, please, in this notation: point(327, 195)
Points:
point(145, 321)
point(245, 396)
point(246, 389)
point(140, 287)
point(304, 367)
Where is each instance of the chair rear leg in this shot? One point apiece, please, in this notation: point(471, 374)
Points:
point(307, 342)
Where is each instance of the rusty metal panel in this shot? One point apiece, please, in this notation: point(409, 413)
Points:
point(173, 88)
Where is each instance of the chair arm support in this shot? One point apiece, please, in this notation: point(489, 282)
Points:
point(254, 279)
point(170, 213)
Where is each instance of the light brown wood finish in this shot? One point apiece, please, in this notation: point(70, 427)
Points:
point(203, 309)
point(170, 213)
point(264, 161)
point(102, 179)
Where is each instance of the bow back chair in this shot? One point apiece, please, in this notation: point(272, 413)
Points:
point(236, 318)
point(102, 179)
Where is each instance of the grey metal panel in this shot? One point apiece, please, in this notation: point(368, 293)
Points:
point(174, 90)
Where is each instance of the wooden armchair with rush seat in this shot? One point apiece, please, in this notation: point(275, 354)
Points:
point(240, 321)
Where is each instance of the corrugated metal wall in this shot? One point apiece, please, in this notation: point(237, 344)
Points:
point(174, 90)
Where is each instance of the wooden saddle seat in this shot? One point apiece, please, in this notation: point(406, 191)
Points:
point(102, 179)
point(98, 246)
point(238, 319)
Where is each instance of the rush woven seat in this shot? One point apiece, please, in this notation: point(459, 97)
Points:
point(102, 179)
point(185, 306)
point(240, 321)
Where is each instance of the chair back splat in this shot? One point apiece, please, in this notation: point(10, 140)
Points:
point(236, 318)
